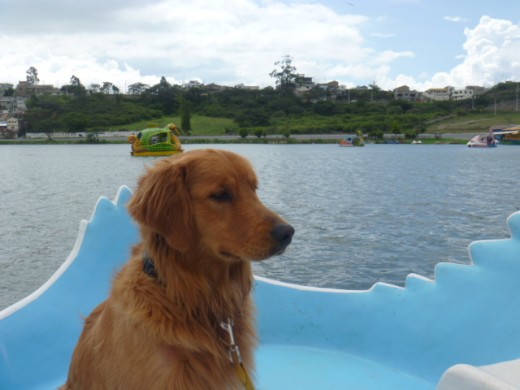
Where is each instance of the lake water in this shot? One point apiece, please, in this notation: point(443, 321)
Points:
point(361, 215)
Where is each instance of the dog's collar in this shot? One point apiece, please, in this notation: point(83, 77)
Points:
point(149, 266)
point(235, 357)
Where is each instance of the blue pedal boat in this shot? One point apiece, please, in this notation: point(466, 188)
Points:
point(460, 330)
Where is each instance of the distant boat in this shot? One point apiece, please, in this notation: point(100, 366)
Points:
point(509, 135)
point(156, 142)
point(482, 141)
point(347, 141)
point(354, 140)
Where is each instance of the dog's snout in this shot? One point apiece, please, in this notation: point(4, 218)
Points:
point(282, 233)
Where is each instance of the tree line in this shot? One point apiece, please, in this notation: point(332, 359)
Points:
point(260, 112)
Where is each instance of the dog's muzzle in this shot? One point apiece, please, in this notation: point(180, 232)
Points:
point(282, 234)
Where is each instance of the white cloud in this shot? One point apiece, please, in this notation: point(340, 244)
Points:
point(223, 41)
point(383, 35)
point(227, 42)
point(405, 1)
point(490, 56)
point(455, 19)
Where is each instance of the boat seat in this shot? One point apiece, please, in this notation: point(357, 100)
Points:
point(499, 376)
point(300, 367)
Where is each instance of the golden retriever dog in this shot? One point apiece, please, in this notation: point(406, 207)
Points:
point(180, 313)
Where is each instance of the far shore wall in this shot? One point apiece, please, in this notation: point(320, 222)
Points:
point(82, 134)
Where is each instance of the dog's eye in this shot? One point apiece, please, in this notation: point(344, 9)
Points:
point(221, 196)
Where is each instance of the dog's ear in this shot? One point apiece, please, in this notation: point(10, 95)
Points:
point(162, 203)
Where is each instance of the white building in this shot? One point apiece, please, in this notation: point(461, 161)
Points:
point(193, 84)
point(448, 93)
point(4, 87)
point(405, 93)
point(438, 94)
point(247, 87)
point(9, 129)
point(462, 94)
point(12, 125)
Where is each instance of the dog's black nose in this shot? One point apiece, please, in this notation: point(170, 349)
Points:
point(282, 233)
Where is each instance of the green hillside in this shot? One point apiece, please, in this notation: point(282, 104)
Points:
point(206, 111)
point(473, 123)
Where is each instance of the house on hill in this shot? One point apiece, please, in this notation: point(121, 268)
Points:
point(448, 93)
point(4, 87)
point(9, 128)
point(438, 94)
point(26, 89)
point(462, 94)
point(405, 93)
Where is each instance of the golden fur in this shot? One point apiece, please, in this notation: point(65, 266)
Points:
point(202, 223)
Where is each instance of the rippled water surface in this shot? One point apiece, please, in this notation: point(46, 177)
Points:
point(361, 215)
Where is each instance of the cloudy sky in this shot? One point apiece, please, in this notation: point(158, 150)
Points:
point(420, 43)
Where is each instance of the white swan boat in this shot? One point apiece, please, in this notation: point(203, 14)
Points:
point(458, 331)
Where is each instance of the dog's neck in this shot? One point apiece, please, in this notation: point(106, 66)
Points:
point(197, 278)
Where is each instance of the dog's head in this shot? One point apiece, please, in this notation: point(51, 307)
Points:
point(207, 199)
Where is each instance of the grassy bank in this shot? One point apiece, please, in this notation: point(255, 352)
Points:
point(474, 123)
point(201, 125)
point(212, 126)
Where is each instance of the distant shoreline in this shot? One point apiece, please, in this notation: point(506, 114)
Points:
point(452, 138)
